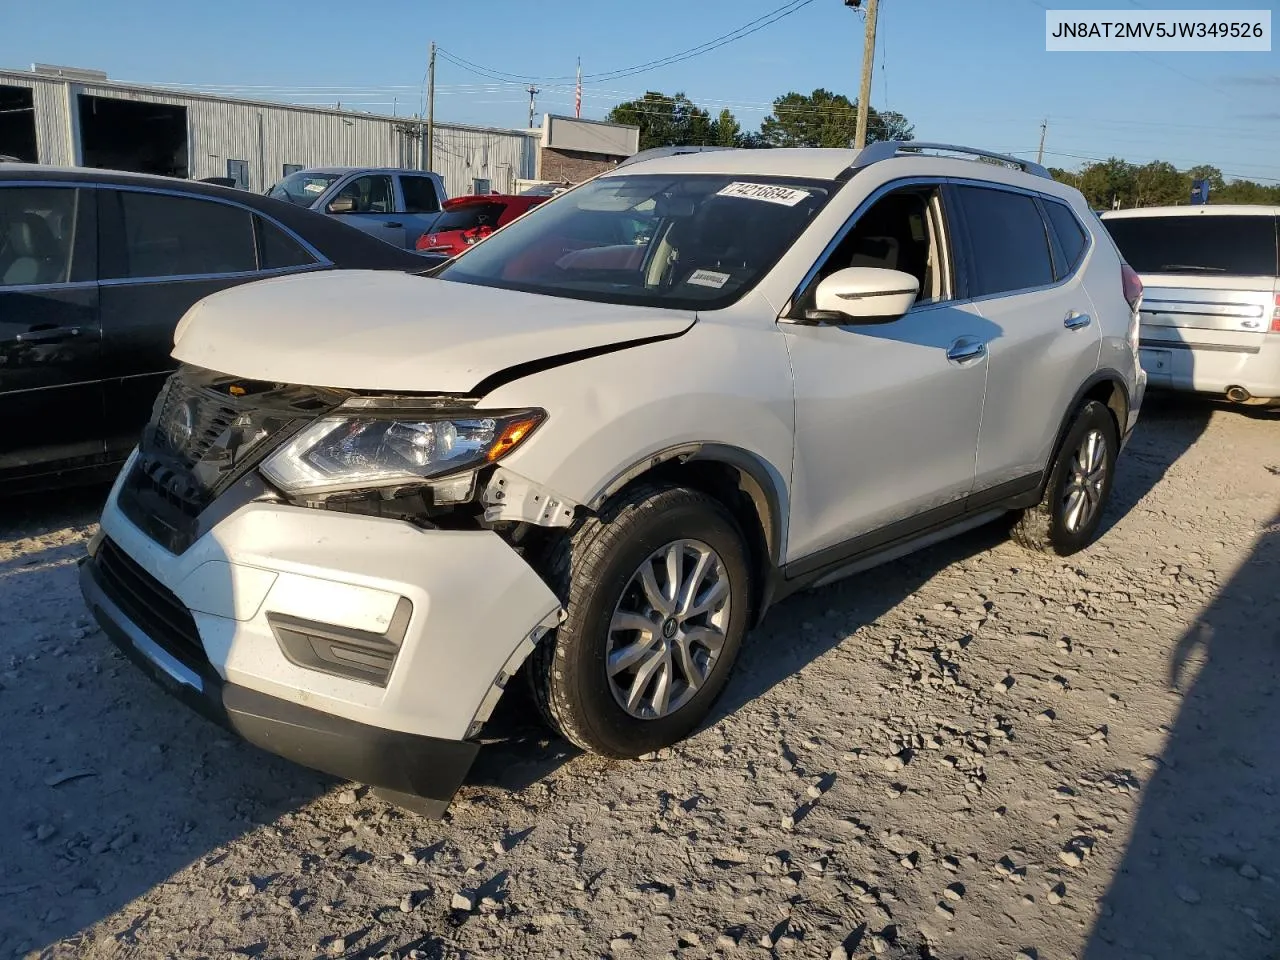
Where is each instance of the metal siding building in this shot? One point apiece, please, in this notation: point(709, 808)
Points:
point(267, 136)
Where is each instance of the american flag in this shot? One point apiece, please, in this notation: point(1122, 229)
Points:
point(577, 97)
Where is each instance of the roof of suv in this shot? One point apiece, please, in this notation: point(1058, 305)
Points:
point(816, 162)
point(825, 163)
point(1214, 210)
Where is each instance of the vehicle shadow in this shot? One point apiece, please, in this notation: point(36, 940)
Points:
point(830, 614)
point(1168, 427)
point(111, 787)
point(1201, 874)
point(40, 514)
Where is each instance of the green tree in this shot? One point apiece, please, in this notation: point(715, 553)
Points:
point(826, 119)
point(1070, 178)
point(1246, 191)
point(667, 121)
point(1109, 182)
point(1204, 171)
point(725, 129)
point(1159, 184)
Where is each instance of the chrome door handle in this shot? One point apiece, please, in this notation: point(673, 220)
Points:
point(1076, 321)
point(966, 349)
point(392, 224)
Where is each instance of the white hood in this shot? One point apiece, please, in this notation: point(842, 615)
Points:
point(381, 330)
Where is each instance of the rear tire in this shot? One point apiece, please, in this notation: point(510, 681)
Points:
point(1066, 520)
point(614, 678)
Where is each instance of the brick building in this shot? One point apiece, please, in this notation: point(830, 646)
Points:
point(573, 149)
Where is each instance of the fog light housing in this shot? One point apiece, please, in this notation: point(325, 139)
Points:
point(340, 651)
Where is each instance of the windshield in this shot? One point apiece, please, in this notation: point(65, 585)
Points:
point(1204, 244)
point(302, 187)
point(682, 241)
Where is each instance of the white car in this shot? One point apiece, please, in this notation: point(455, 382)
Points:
point(599, 445)
point(1211, 306)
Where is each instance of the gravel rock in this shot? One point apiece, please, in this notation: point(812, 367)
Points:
point(463, 900)
point(1249, 872)
point(1187, 894)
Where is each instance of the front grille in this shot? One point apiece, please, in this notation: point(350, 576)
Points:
point(191, 419)
point(146, 601)
point(207, 431)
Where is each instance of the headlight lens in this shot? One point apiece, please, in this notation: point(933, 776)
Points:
point(345, 453)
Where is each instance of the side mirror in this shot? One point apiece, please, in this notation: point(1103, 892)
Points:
point(342, 205)
point(863, 295)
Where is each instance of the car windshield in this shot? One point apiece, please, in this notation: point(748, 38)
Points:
point(302, 187)
point(1201, 244)
point(683, 241)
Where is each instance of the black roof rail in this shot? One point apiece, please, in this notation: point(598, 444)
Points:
point(654, 152)
point(888, 149)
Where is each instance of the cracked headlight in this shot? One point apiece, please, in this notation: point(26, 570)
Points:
point(349, 453)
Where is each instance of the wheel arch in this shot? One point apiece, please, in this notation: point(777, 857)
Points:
point(1108, 388)
point(751, 488)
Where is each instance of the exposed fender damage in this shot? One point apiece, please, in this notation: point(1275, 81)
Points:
point(509, 496)
point(518, 656)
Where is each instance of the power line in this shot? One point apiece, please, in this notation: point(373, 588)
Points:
point(746, 30)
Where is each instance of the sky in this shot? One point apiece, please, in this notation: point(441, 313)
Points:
point(974, 73)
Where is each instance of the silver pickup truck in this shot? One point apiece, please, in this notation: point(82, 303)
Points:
point(393, 205)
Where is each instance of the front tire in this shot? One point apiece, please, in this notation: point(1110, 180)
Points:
point(1079, 487)
point(657, 593)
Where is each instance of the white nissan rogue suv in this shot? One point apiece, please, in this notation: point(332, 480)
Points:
point(598, 446)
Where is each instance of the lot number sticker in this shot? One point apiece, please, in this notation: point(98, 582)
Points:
point(708, 278)
point(787, 196)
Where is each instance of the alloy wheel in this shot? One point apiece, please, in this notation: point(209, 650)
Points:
point(667, 629)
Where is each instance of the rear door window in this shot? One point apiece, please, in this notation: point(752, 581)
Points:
point(1008, 244)
point(419, 195)
point(372, 194)
point(169, 236)
point(1204, 244)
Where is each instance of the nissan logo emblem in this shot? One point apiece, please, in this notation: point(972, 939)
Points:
point(184, 425)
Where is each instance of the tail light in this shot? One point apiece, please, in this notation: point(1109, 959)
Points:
point(476, 235)
point(1275, 316)
point(1132, 284)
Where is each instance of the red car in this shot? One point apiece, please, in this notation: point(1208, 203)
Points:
point(466, 220)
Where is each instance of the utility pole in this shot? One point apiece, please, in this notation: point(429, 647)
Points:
point(431, 107)
point(868, 67)
point(1044, 125)
point(533, 92)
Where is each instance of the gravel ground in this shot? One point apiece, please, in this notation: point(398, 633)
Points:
point(974, 752)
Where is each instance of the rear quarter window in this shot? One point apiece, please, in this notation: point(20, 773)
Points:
point(1203, 244)
point(1072, 238)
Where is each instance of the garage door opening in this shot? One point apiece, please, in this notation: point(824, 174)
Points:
point(133, 136)
point(18, 123)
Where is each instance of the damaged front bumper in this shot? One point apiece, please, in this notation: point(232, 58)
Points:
point(363, 647)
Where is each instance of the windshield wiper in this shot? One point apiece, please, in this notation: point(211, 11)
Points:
point(1186, 267)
